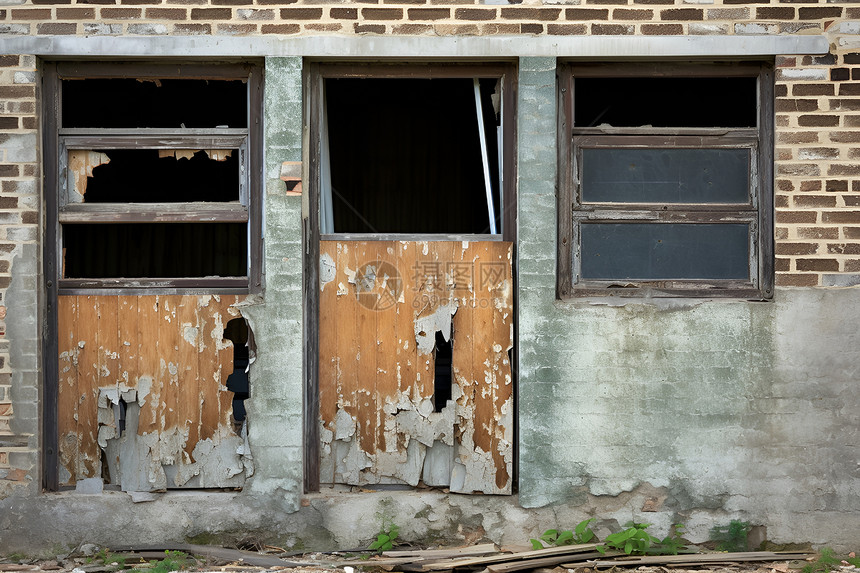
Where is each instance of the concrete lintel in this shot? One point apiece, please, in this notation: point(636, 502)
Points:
point(591, 47)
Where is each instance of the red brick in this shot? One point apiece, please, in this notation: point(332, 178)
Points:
point(812, 89)
point(542, 14)
point(781, 264)
point(386, 13)
point(687, 14)
point(789, 105)
point(846, 89)
point(344, 13)
point(120, 13)
point(849, 217)
point(611, 29)
point(796, 217)
point(839, 74)
point(231, 2)
point(237, 29)
point(851, 232)
point(632, 14)
point(662, 29)
point(818, 232)
point(474, 14)
point(796, 248)
point(843, 169)
point(586, 14)
point(507, 29)
point(813, 185)
point(301, 13)
point(31, 14)
point(788, 137)
point(412, 29)
point(821, 265)
point(369, 28)
point(192, 29)
point(76, 13)
point(781, 202)
point(8, 170)
point(8, 61)
point(844, 136)
point(566, 29)
point(167, 13)
point(814, 201)
point(280, 29)
point(796, 280)
point(616, 2)
point(8, 122)
point(818, 120)
point(219, 14)
point(837, 186)
point(426, 13)
point(57, 28)
point(775, 13)
point(843, 248)
point(654, 1)
point(138, 2)
point(531, 28)
point(819, 12)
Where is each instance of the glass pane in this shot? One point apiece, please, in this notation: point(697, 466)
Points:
point(155, 250)
point(153, 175)
point(664, 251)
point(166, 103)
point(665, 175)
point(666, 102)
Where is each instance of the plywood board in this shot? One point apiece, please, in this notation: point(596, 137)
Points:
point(156, 364)
point(381, 306)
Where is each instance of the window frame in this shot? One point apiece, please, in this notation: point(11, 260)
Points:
point(248, 142)
point(757, 213)
point(503, 70)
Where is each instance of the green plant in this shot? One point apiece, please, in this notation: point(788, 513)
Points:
point(636, 541)
point(731, 537)
point(173, 561)
point(828, 561)
point(108, 559)
point(582, 533)
point(385, 538)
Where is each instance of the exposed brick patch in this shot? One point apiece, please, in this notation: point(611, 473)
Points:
point(301, 13)
point(662, 29)
point(474, 14)
point(544, 15)
point(689, 14)
point(344, 13)
point(612, 29)
point(586, 13)
point(384, 13)
point(425, 13)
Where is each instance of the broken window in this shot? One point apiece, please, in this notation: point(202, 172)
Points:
point(415, 192)
point(154, 177)
point(670, 191)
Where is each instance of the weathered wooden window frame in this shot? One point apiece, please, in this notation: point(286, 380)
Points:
point(574, 212)
point(248, 142)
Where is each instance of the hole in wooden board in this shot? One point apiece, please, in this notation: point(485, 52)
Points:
point(442, 382)
point(237, 332)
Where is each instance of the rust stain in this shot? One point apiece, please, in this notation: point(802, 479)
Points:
point(167, 351)
point(381, 305)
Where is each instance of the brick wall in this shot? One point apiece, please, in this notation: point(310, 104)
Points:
point(19, 212)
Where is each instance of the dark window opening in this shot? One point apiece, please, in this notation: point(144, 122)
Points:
point(237, 332)
point(405, 155)
point(666, 102)
point(162, 176)
point(164, 103)
point(155, 250)
point(443, 375)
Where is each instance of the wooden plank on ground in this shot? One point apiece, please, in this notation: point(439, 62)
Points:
point(473, 550)
point(701, 558)
point(549, 552)
point(525, 564)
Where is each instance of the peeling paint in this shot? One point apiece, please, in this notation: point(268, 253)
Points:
point(80, 167)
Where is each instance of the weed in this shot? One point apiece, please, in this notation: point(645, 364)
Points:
point(636, 541)
point(582, 533)
point(173, 561)
point(828, 561)
point(108, 559)
point(731, 537)
point(385, 538)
